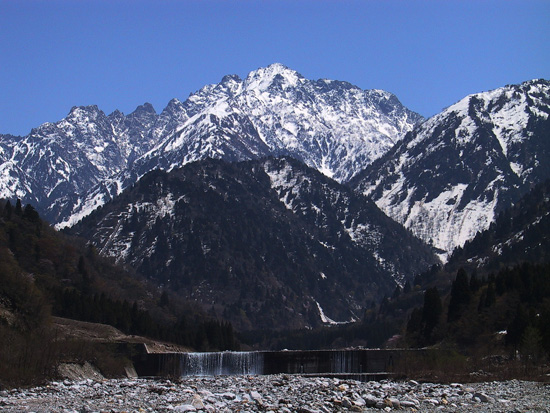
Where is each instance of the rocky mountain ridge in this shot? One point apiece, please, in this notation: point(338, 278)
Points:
point(452, 175)
point(446, 181)
point(69, 168)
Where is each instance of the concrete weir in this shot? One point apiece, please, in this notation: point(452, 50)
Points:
point(361, 364)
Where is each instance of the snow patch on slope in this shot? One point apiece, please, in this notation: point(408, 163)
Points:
point(441, 222)
point(285, 182)
point(328, 320)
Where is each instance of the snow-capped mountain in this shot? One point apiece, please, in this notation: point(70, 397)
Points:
point(332, 126)
point(267, 241)
point(445, 181)
point(59, 161)
point(451, 176)
point(87, 158)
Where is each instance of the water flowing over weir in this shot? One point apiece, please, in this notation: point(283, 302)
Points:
point(222, 363)
point(360, 364)
point(344, 362)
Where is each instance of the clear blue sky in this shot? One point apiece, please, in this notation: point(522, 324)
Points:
point(55, 54)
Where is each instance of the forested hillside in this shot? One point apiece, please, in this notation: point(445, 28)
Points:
point(493, 296)
point(44, 273)
point(260, 243)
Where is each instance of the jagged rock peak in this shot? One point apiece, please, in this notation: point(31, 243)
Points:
point(231, 79)
point(329, 84)
point(145, 108)
point(174, 105)
point(116, 114)
point(76, 110)
point(82, 115)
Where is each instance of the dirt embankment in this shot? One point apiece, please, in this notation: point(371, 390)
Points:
point(81, 330)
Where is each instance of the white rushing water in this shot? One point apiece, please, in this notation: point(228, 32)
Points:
point(222, 363)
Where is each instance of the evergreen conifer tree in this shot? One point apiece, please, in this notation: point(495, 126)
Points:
point(475, 284)
point(460, 295)
point(431, 312)
point(30, 214)
point(407, 288)
point(8, 210)
point(18, 207)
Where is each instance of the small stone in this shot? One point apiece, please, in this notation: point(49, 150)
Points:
point(185, 408)
point(359, 401)
point(197, 402)
point(483, 398)
point(229, 396)
point(206, 393)
point(370, 401)
point(407, 403)
point(395, 403)
point(255, 395)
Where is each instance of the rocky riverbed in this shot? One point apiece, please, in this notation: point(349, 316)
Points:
point(277, 393)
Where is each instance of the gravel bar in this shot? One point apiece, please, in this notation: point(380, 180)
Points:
point(276, 393)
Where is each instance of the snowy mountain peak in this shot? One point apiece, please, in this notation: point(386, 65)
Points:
point(337, 128)
point(507, 113)
point(83, 111)
point(272, 75)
